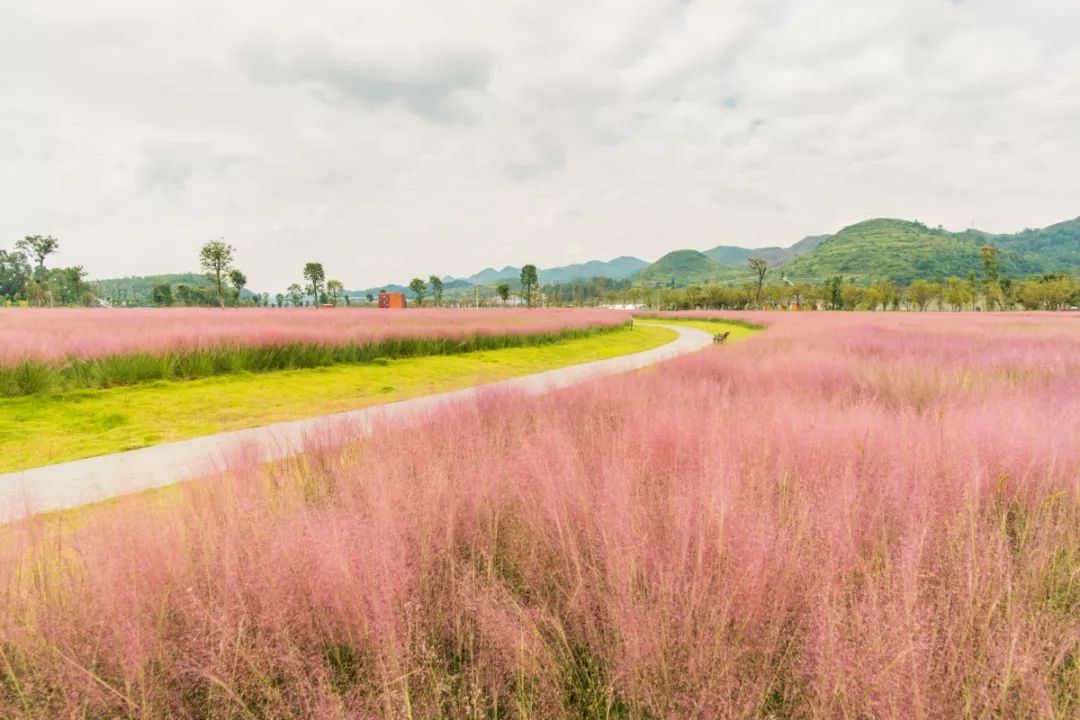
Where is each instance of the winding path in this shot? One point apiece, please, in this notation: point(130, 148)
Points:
point(79, 482)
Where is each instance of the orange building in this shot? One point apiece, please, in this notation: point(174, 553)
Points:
point(392, 300)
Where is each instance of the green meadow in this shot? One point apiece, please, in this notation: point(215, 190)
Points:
point(48, 428)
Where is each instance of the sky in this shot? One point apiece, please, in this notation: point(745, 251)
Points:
point(399, 138)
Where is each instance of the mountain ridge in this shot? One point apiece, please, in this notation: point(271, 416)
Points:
point(617, 268)
point(878, 248)
point(734, 255)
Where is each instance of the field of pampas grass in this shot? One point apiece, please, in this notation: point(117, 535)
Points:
point(849, 516)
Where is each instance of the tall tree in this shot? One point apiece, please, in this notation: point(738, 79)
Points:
point(885, 293)
point(38, 247)
point(920, 293)
point(184, 295)
point(436, 289)
point(370, 298)
point(239, 281)
point(503, 291)
point(419, 287)
point(216, 258)
point(314, 274)
point(958, 293)
point(295, 294)
point(852, 296)
point(162, 295)
point(836, 296)
point(529, 281)
point(14, 274)
point(279, 299)
point(992, 271)
point(37, 293)
point(991, 262)
point(68, 286)
point(335, 288)
point(760, 266)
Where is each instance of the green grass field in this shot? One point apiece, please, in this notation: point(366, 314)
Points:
point(34, 377)
point(43, 429)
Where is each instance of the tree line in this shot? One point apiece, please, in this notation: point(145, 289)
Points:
point(217, 259)
point(989, 290)
point(529, 292)
point(25, 278)
point(1048, 292)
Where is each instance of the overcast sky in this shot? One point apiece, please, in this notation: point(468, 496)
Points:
point(396, 138)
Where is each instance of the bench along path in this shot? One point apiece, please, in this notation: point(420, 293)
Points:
point(70, 484)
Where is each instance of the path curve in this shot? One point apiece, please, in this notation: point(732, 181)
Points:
point(79, 482)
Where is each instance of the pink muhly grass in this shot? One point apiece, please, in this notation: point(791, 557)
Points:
point(849, 516)
point(52, 335)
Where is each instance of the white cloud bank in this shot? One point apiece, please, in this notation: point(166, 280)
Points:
point(390, 139)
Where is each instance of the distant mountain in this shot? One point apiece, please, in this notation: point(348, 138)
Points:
point(449, 286)
point(616, 269)
point(738, 256)
point(619, 268)
point(882, 248)
point(374, 291)
point(487, 276)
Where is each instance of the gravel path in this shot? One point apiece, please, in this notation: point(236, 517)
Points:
point(70, 484)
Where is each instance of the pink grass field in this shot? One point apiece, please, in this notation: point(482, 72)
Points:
point(51, 335)
point(848, 516)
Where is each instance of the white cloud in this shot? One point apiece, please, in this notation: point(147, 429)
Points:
point(415, 137)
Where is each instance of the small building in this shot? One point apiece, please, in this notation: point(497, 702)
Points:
point(392, 300)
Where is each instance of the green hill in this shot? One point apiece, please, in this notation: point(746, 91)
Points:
point(1055, 248)
point(684, 267)
point(894, 249)
point(137, 289)
point(882, 248)
point(904, 251)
